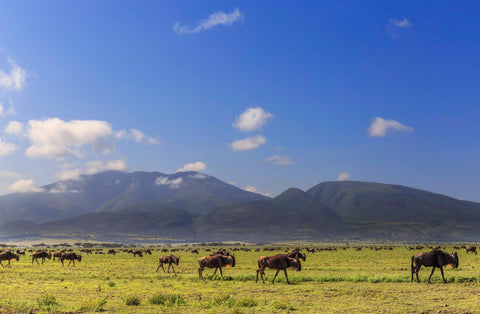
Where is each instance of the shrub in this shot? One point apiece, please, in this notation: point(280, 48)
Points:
point(47, 300)
point(175, 299)
point(247, 302)
point(111, 283)
point(157, 299)
point(132, 300)
point(94, 305)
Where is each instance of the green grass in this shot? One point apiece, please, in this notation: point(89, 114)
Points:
point(342, 281)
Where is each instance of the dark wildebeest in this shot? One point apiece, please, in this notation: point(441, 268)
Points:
point(57, 254)
point(147, 251)
point(296, 254)
point(7, 256)
point(435, 259)
point(43, 255)
point(218, 261)
point(71, 257)
point(137, 252)
point(194, 251)
point(472, 249)
point(170, 260)
point(112, 251)
point(278, 262)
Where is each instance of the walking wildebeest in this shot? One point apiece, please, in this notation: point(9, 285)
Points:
point(434, 258)
point(278, 262)
point(170, 259)
point(42, 254)
point(7, 256)
point(71, 257)
point(218, 261)
point(472, 249)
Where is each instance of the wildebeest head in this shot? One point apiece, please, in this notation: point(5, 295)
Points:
point(49, 256)
point(79, 257)
point(454, 259)
point(229, 260)
point(177, 259)
point(17, 257)
point(294, 263)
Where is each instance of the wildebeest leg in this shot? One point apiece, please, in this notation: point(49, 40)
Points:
point(441, 270)
point(161, 264)
point(431, 274)
point(273, 281)
point(416, 273)
point(172, 268)
point(216, 268)
point(221, 272)
point(1, 264)
point(285, 270)
point(200, 273)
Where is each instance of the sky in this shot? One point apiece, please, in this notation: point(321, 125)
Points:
point(265, 95)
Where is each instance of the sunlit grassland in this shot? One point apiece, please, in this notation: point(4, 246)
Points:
point(341, 281)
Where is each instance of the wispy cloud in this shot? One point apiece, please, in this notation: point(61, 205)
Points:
point(93, 167)
point(9, 174)
point(403, 23)
point(217, 18)
point(247, 143)
point(16, 79)
point(280, 160)
point(6, 148)
point(343, 176)
point(25, 186)
point(254, 190)
point(173, 184)
point(381, 127)
point(14, 128)
point(194, 166)
point(252, 119)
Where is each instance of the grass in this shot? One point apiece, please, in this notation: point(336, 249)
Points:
point(342, 281)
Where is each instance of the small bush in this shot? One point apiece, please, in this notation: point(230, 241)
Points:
point(247, 302)
point(157, 299)
point(47, 300)
point(111, 283)
point(94, 305)
point(174, 299)
point(132, 300)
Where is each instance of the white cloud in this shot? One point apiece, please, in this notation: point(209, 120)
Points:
point(197, 176)
point(252, 119)
point(173, 184)
point(280, 160)
point(54, 138)
point(25, 186)
point(6, 148)
point(16, 79)
point(71, 174)
point(217, 18)
point(343, 176)
point(194, 166)
point(251, 189)
point(14, 128)
point(141, 137)
point(381, 127)
point(404, 23)
point(247, 143)
point(9, 174)
point(93, 167)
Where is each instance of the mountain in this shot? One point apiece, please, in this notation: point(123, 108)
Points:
point(195, 207)
point(112, 191)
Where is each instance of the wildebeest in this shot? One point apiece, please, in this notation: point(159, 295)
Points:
point(57, 254)
point(170, 260)
point(148, 251)
point(296, 254)
point(434, 258)
point(218, 261)
point(194, 251)
point(137, 252)
point(41, 254)
point(472, 249)
point(112, 251)
point(278, 262)
point(71, 257)
point(7, 256)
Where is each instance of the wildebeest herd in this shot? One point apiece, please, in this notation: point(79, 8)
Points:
point(436, 258)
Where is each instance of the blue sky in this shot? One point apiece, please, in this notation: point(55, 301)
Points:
point(266, 95)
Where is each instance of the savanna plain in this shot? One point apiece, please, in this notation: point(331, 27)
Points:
point(345, 280)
